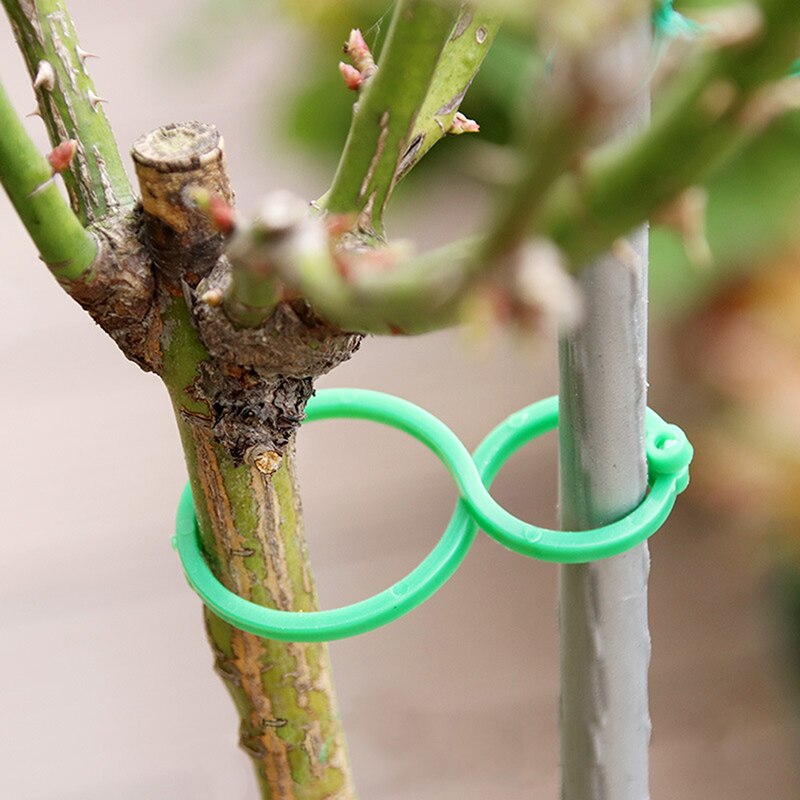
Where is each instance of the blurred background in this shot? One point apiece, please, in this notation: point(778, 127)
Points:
point(106, 685)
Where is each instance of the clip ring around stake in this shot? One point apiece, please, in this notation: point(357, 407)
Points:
point(668, 456)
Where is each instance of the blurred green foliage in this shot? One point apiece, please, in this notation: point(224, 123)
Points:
point(753, 212)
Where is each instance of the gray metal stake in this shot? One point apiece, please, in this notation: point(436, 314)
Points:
point(605, 641)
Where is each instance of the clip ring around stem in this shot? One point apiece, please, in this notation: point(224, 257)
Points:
point(668, 456)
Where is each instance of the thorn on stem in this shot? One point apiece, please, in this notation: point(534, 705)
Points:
point(221, 215)
point(213, 297)
point(267, 462)
point(83, 55)
point(42, 186)
point(45, 76)
point(545, 294)
point(35, 113)
point(94, 100)
point(686, 215)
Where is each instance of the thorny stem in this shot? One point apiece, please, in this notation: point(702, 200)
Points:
point(385, 113)
point(67, 100)
point(461, 58)
point(64, 245)
point(416, 68)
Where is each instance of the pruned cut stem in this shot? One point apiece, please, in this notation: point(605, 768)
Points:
point(249, 514)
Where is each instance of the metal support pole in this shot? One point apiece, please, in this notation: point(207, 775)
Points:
point(605, 641)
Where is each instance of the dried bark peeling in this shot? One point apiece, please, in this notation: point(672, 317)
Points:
point(289, 720)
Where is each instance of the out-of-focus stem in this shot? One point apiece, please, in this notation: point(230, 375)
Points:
point(714, 106)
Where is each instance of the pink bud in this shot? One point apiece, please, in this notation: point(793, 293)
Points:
point(339, 224)
point(463, 124)
point(61, 156)
point(352, 77)
point(356, 47)
point(359, 53)
point(221, 214)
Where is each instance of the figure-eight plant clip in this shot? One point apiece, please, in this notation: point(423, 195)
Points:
point(668, 456)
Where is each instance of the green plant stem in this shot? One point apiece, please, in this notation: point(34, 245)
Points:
point(251, 298)
point(461, 58)
point(252, 534)
point(415, 295)
point(97, 183)
point(254, 291)
point(64, 245)
point(386, 110)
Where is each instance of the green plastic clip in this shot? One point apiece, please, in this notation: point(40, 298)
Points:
point(668, 456)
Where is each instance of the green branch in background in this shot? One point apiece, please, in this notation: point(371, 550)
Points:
point(721, 100)
point(714, 106)
point(387, 107)
point(366, 290)
point(64, 245)
point(97, 182)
